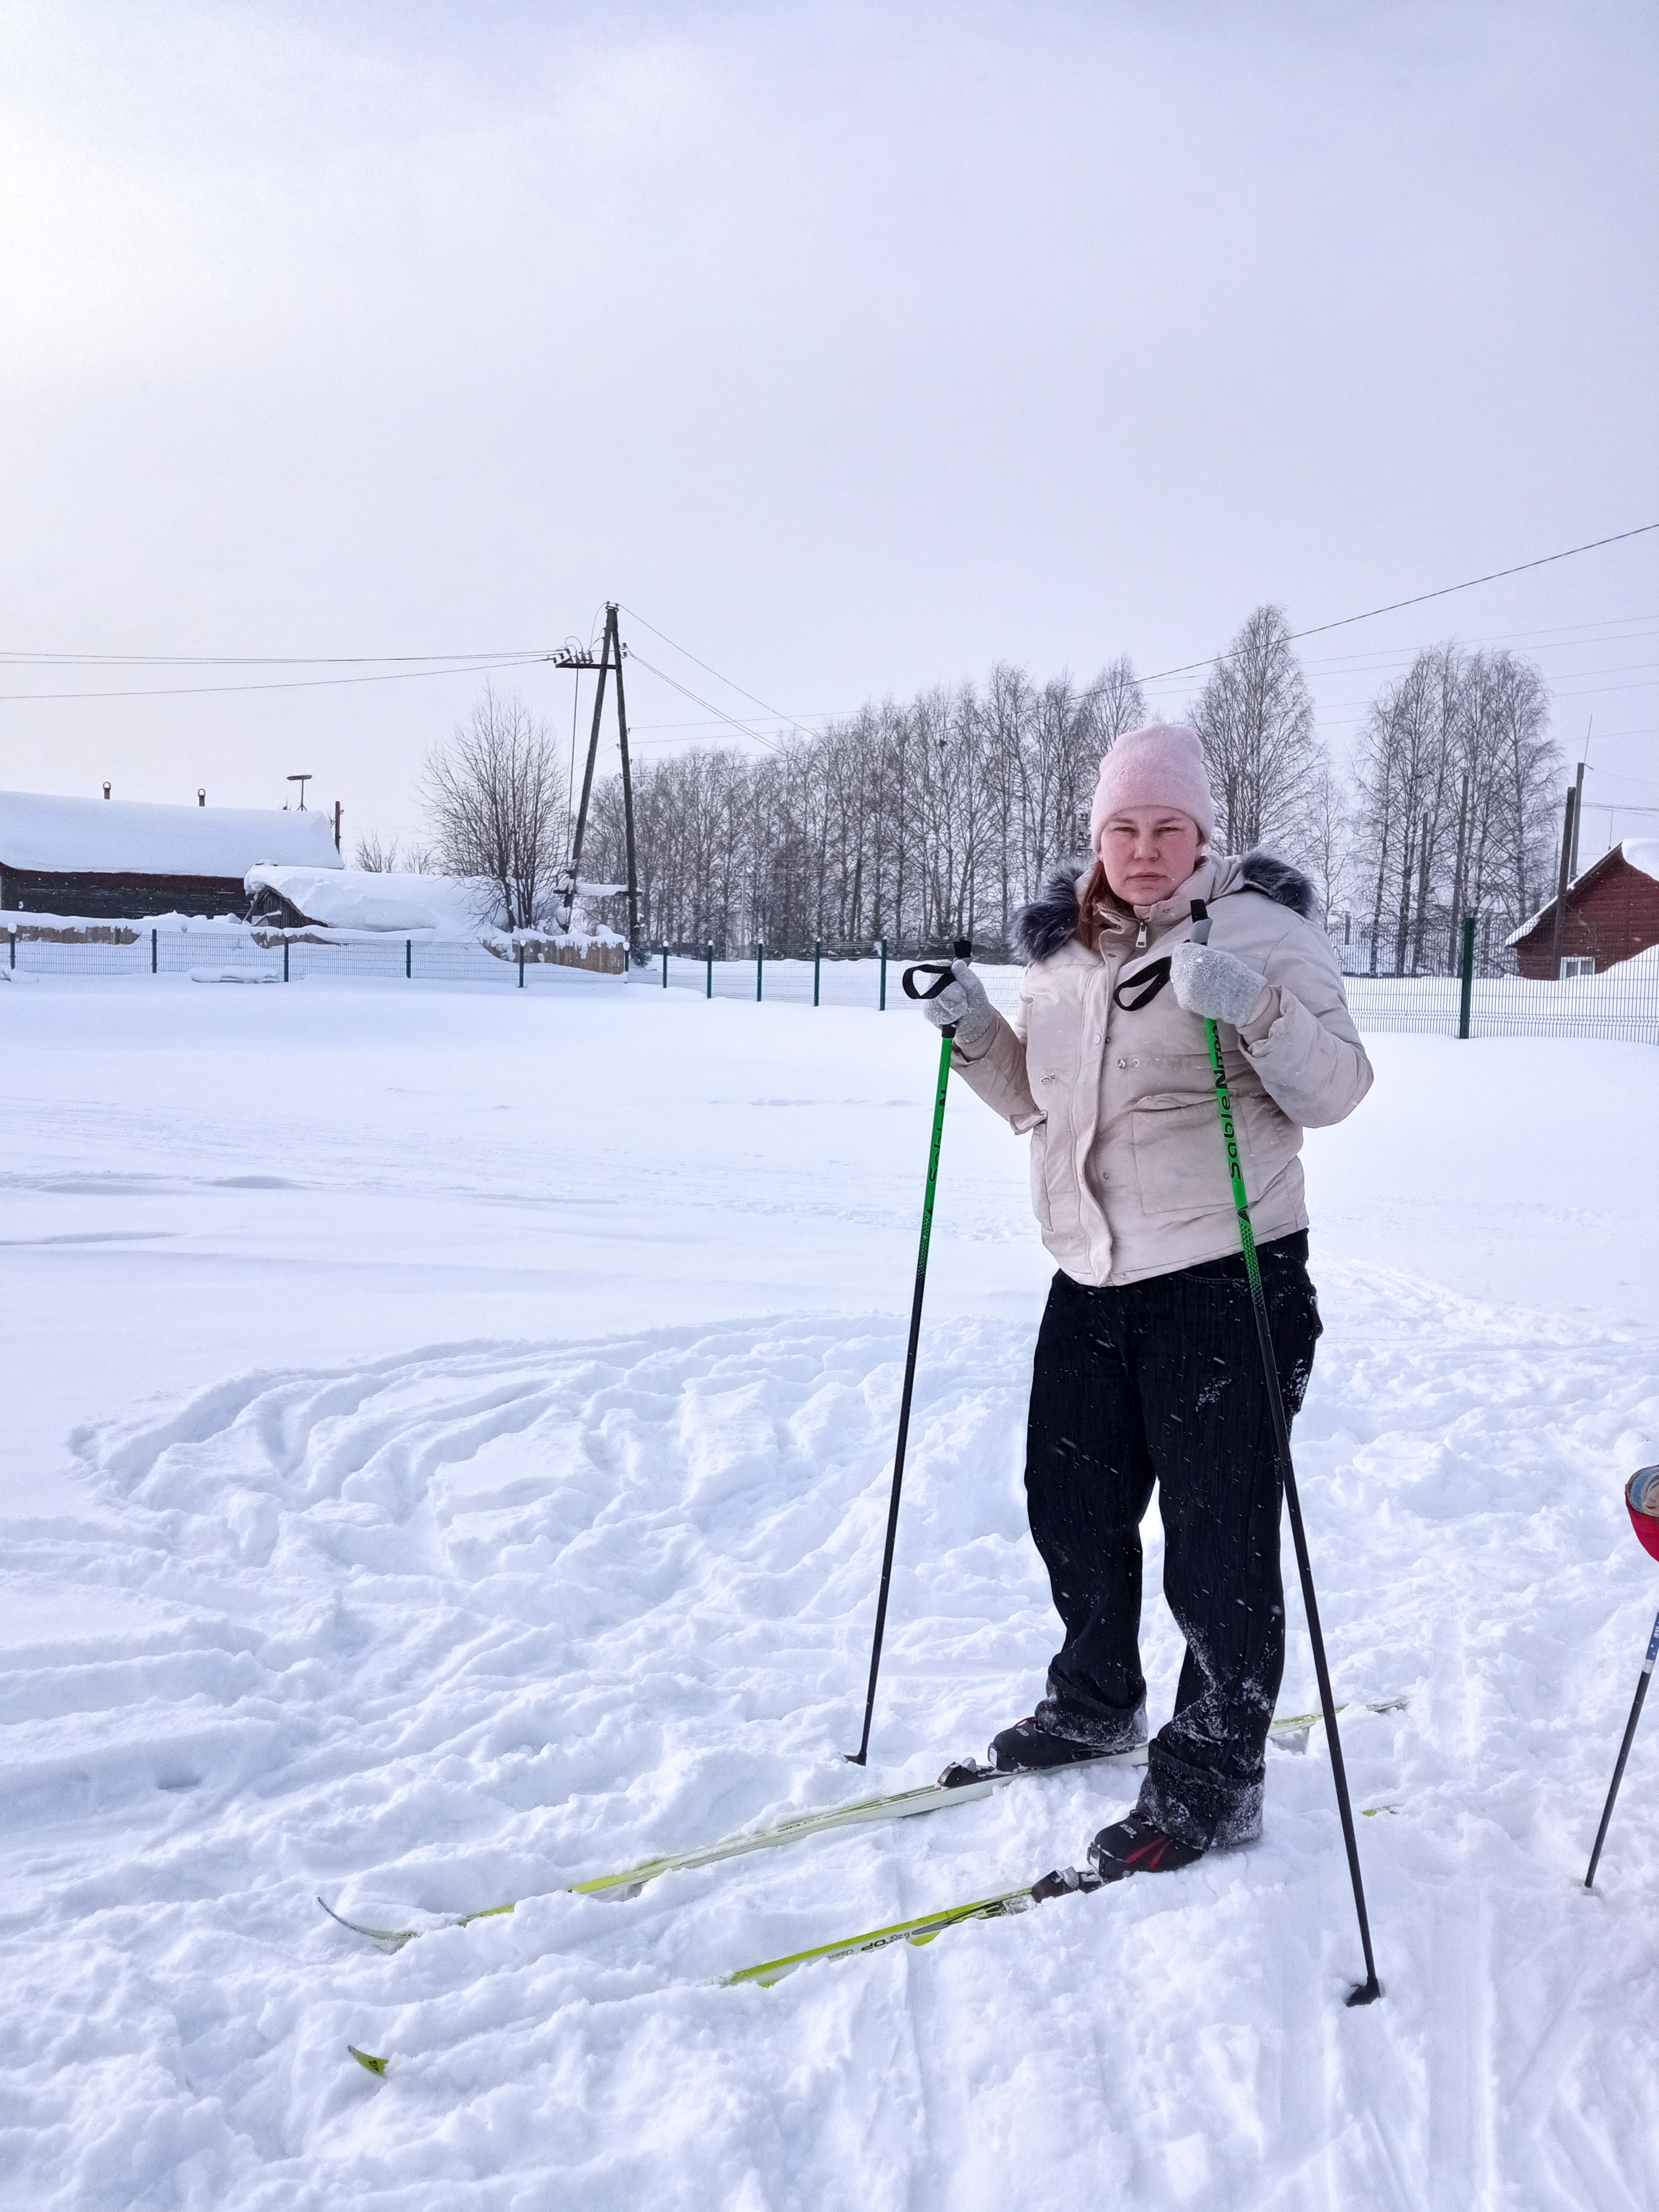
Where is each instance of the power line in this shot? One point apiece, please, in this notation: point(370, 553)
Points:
point(1317, 629)
point(742, 727)
point(400, 671)
point(1444, 591)
point(715, 672)
point(292, 683)
point(270, 660)
point(1337, 668)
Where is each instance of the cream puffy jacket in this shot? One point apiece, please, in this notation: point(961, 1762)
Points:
point(1128, 1169)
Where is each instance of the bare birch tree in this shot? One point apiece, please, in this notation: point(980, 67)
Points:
point(495, 799)
point(1256, 718)
point(1454, 773)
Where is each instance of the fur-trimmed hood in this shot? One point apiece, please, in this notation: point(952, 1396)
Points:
point(1050, 921)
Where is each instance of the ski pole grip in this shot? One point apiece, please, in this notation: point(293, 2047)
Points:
point(939, 969)
point(1200, 923)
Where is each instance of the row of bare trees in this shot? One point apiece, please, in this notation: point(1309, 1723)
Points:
point(916, 823)
point(1455, 808)
point(922, 822)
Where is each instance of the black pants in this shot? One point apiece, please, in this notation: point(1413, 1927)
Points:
point(1162, 1381)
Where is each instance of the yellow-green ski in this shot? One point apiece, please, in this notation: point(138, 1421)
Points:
point(901, 1804)
point(876, 1939)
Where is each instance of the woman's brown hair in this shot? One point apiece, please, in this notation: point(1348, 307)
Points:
point(1098, 896)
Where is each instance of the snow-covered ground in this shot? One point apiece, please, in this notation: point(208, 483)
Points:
point(445, 1457)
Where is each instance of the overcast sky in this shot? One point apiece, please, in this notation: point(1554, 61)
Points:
point(853, 347)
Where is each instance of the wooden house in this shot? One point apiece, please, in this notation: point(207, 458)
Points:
point(121, 859)
point(1612, 913)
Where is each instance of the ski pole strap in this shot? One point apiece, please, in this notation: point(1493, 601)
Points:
point(1153, 978)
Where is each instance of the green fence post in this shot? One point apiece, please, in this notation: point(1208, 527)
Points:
point(408, 959)
point(521, 967)
point(881, 1003)
point(12, 936)
point(664, 963)
point(285, 960)
point(709, 987)
point(817, 960)
point(759, 957)
point(152, 953)
point(1469, 920)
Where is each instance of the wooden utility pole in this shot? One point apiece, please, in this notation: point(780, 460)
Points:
point(1564, 878)
point(627, 793)
point(610, 658)
point(1577, 816)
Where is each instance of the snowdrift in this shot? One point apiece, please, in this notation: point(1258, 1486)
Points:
point(348, 903)
point(460, 907)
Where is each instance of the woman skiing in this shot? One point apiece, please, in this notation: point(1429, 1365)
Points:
point(1147, 1368)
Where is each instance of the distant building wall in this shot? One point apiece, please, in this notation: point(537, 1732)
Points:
point(40, 891)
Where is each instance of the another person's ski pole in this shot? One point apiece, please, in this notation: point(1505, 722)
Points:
point(943, 974)
point(1641, 1496)
point(1370, 1988)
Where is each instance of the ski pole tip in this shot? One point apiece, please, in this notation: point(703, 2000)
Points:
point(1365, 1993)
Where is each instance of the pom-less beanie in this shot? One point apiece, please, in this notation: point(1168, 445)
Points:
point(1162, 765)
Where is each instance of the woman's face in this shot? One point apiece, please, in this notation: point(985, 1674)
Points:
point(1148, 852)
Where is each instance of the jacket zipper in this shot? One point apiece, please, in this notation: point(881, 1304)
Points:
point(1140, 941)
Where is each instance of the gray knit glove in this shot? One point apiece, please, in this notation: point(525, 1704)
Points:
point(964, 1003)
point(1215, 985)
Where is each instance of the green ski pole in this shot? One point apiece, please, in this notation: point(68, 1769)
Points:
point(942, 971)
point(1370, 1988)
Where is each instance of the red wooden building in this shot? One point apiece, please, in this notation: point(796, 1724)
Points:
point(1612, 913)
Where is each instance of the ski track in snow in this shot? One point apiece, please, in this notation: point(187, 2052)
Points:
point(442, 1629)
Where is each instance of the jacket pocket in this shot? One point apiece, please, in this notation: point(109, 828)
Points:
point(1181, 1164)
point(1272, 1140)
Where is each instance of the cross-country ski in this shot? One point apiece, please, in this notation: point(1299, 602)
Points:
point(970, 1782)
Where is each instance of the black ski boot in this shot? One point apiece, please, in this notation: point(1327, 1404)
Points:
point(1025, 1748)
point(1137, 1845)
point(1032, 1747)
point(1028, 1744)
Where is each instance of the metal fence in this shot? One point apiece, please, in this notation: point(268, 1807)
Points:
point(818, 977)
point(1624, 1003)
point(1614, 1005)
point(215, 952)
point(1621, 1003)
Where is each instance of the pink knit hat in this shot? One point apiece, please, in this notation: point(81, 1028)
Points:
point(1162, 765)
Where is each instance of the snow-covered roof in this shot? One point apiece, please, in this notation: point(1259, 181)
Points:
point(126, 837)
point(1643, 853)
point(359, 898)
